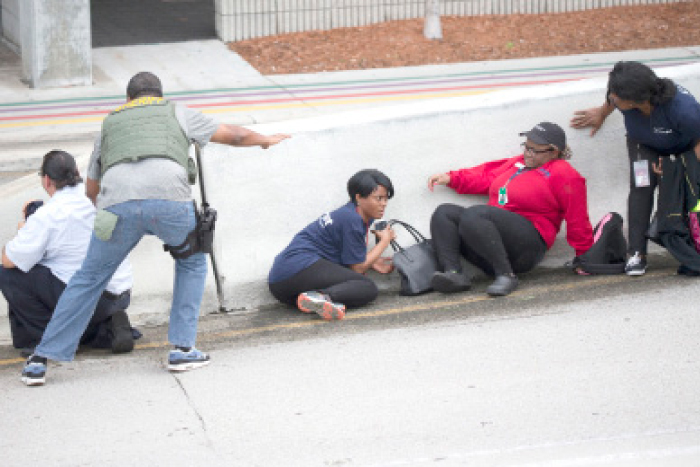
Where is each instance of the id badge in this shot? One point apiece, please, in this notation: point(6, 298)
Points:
point(502, 196)
point(641, 173)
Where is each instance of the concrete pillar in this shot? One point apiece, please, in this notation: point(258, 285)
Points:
point(56, 42)
point(9, 12)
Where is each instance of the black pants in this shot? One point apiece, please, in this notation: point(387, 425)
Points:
point(31, 298)
point(640, 201)
point(493, 239)
point(342, 284)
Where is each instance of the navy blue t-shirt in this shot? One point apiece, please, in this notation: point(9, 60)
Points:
point(339, 237)
point(672, 128)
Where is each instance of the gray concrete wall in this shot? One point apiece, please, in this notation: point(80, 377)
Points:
point(55, 41)
point(265, 197)
point(9, 11)
point(244, 19)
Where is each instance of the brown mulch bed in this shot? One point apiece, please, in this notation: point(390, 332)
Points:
point(466, 39)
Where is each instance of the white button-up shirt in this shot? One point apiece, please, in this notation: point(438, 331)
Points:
point(57, 236)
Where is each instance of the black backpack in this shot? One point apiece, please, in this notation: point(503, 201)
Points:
point(609, 251)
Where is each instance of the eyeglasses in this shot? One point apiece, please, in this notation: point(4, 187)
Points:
point(535, 151)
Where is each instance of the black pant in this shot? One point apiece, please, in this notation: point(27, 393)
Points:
point(31, 298)
point(493, 239)
point(342, 284)
point(640, 201)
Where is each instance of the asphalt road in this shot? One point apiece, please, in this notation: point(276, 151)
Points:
point(566, 371)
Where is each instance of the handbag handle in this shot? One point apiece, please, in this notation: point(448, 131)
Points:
point(417, 236)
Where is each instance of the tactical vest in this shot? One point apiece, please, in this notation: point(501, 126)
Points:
point(144, 128)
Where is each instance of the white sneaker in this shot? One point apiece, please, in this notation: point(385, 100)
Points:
point(636, 265)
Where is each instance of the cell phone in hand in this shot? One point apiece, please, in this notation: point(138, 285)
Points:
point(380, 225)
point(32, 207)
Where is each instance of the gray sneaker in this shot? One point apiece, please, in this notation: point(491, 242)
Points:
point(450, 282)
point(181, 360)
point(34, 372)
point(321, 304)
point(503, 285)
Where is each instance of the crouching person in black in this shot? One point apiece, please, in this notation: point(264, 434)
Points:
point(49, 247)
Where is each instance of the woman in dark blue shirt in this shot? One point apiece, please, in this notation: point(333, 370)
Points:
point(322, 269)
point(661, 119)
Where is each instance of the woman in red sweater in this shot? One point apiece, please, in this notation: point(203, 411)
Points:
point(529, 197)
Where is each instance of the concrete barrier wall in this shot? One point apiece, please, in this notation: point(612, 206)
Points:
point(265, 197)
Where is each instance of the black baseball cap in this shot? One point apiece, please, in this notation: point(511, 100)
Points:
point(547, 133)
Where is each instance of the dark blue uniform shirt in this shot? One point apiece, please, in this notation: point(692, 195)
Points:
point(672, 128)
point(339, 236)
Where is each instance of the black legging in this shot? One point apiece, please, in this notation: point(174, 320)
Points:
point(342, 284)
point(493, 239)
point(640, 201)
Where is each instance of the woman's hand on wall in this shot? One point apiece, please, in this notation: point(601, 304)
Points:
point(593, 118)
point(438, 179)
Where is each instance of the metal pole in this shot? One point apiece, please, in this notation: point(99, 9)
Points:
point(218, 279)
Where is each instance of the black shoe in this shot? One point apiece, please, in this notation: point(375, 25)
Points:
point(120, 329)
point(503, 285)
point(684, 270)
point(450, 282)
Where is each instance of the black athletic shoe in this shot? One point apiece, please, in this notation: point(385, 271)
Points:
point(120, 329)
point(636, 265)
point(450, 282)
point(503, 285)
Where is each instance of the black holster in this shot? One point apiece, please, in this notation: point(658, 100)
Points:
point(201, 239)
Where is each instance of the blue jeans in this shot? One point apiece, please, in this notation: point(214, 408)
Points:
point(170, 221)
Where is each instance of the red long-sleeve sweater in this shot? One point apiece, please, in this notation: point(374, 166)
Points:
point(546, 196)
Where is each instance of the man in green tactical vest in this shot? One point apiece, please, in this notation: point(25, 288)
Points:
point(139, 178)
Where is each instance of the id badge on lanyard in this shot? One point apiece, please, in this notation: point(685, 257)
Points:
point(503, 191)
point(640, 167)
point(641, 173)
point(502, 196)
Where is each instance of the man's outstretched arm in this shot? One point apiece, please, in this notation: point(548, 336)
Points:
point(234, 135)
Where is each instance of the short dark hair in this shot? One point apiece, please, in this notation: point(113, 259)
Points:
point(636, 82)
point(61, 168)
point(144, 84)
point(365, 181)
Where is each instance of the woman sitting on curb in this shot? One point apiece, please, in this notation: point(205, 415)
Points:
point(529, 197)
point(322, 269)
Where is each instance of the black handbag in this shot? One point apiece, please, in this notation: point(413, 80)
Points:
point(609, 250)
point(415, 264)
